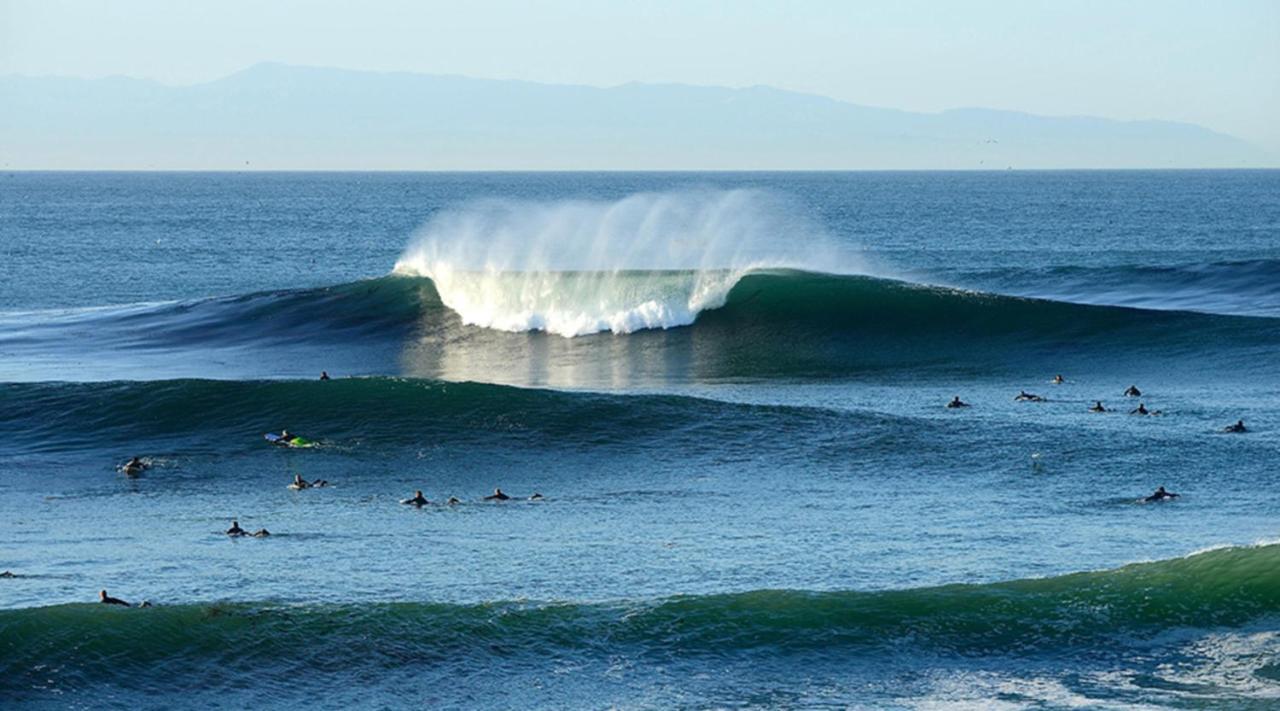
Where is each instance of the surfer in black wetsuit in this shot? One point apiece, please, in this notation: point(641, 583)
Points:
point(1141, 409)
point(1133, 391)
point(134, 466)
point(1097, 407)
point(418, 500)
point(497, 495)
point(957, 402)
point(1058, 379)
point(1024, 396)
point(324, 375)
point(106, 599)
point(235, 530)
point(453, 501)
point(1237, 427)
point(299, 482)
point(1160, 495)
point(536, 497)
point(287, 436)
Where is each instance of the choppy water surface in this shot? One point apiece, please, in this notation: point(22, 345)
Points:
point(729, 390)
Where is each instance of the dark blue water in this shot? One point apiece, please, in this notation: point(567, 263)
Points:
point(729, 390)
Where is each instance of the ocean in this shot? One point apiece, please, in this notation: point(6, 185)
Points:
point(729, 391)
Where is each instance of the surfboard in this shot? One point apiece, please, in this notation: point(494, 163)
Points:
point(296, 442)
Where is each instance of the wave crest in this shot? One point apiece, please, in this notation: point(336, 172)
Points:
point(650, 260)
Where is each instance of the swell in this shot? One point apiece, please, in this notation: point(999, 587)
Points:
point(1080, 614)
point(1246, 287)
point(392, 305)
point(766, 324)
point(229, 416)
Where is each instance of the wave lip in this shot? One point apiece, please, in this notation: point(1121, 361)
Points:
point(580, 303)
point(574, 267)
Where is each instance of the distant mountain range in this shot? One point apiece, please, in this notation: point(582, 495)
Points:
point(273, 116)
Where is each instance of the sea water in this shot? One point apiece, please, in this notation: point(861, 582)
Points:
point(729, 390)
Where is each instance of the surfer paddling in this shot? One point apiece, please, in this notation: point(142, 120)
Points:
point(235, 531)
point(418, 500)
point(497, 495)
point(956, 402)
point(106, 599)
point(1161, 495)
point(134, 466)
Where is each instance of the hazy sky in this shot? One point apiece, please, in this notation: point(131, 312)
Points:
point(1212, 63)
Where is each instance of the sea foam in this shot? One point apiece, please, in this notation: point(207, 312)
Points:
point(574, 267)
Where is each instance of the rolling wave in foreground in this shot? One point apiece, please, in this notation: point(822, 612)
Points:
point(1114, 620)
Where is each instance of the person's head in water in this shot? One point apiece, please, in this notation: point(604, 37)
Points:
point(324, 375)
point(1058, 378)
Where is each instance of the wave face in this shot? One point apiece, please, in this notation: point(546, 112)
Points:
point(227, 416)
point(1243, 288)
point(760, 323)
point(651, 260)
point(1115, 617)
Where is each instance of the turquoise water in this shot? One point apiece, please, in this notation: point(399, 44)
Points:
point(728, 388)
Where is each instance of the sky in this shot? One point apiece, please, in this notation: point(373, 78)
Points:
point(1216, 64)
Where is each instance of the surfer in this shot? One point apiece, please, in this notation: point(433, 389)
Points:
point(1097, 407)
point(134, 466)
point(1141, 409)
point(235, 530)
point(1237, 427)
point(286, 436)
point(418, 499)
point(324, 375)
point(453, 501)
point(1160, 495)
point(957, 402)
point(536, 497)
point(299, 483)
point(1058, 379)
point(497, 495)
point(1133, 391)
point(106, 599)
point(1024, 396)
